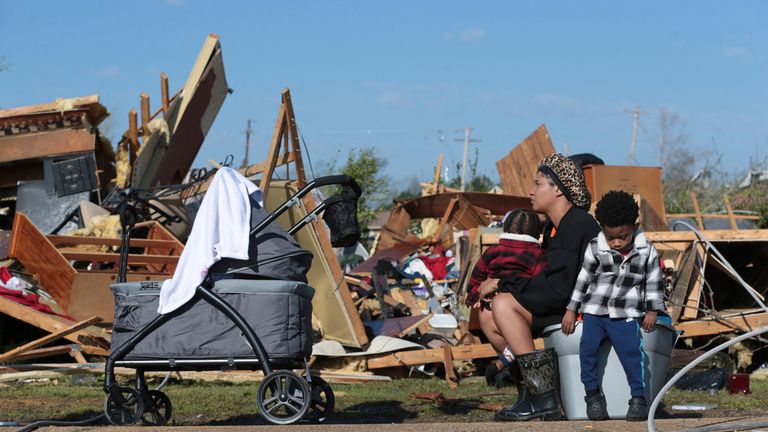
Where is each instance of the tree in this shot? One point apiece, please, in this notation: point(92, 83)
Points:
point(475, 182)
point(365, 166)
point(688, 168)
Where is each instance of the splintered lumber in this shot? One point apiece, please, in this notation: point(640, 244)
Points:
point(81, 292)
point(711, 235)
point(436, 355)
point(48, 339)
point(71, 349)
point(517, 170)
point(92, 341)
point(738, 323)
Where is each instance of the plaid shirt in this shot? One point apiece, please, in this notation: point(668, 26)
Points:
point(515, 255)
point(617, 286)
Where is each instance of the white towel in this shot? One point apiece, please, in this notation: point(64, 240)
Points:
point(220, 230)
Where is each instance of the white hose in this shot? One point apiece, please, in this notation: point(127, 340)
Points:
point(691, 365)
point(715, 350)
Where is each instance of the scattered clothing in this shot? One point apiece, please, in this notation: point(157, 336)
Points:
point(31, 300)
point(221, 229)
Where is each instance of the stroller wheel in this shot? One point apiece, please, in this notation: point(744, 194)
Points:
point(283, 397)
point(321, 405)
point(126, 411)
point(159, 412)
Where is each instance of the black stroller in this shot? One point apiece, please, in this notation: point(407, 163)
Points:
point(266, 298)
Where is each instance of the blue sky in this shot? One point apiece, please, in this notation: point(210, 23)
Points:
point(398, 75)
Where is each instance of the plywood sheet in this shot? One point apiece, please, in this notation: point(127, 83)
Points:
point(518, 169)
point(644, 181)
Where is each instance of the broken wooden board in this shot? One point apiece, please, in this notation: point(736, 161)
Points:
point(199, 103)
point(645, 181)
point(732, 324)
point(83, 293)
point(48, 339)
point(94, 341)
point(517, 170)
point(436, 355)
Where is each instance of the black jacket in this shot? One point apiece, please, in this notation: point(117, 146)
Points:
point(548, 292)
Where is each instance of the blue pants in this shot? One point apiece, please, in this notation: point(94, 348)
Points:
point(627, 342)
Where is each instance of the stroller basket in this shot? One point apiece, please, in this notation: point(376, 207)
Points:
point(280, 312)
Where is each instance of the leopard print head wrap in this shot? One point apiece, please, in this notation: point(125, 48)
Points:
point(568, 177)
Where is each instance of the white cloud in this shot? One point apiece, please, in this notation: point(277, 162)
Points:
point(737, 53)
point(107, 72)
point(465, 35)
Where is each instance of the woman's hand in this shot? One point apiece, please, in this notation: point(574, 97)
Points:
point(488, 288)
point(649, 321)
point(569, 322)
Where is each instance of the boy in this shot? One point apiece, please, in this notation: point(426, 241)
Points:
point(619, 285)
point(517, 254)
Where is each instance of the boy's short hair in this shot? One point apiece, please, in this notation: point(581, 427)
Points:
point(522, 221)
point(617, 208)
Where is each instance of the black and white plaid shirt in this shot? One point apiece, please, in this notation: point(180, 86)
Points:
point(617, 286)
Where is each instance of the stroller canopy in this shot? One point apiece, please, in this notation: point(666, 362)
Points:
point(272, 254)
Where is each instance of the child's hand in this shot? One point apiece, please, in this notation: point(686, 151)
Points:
point(488, 287)
point(569, 322)
point(649, 320)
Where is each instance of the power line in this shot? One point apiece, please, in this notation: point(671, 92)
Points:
point(467, 140)
point(248, 131)
point(635, 122)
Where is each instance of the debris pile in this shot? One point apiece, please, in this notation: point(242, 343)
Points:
point(399, 312)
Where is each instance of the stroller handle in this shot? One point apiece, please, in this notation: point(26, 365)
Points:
point(341, 179)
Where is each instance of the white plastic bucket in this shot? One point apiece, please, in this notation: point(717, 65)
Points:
point(658, 345)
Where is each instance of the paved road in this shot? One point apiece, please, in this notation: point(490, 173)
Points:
point(664, 425)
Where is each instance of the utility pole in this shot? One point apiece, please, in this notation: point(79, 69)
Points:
point(248, 131)
point(467, 140)
point(635, 123)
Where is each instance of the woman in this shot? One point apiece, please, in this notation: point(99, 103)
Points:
point(523, 307)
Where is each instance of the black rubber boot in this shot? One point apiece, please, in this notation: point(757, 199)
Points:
point(540, 376)
point(597, 408)
point(638, 409)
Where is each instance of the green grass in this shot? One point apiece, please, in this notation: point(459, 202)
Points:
point(216, 403)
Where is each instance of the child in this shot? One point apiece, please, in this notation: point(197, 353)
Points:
point(518, 253)
point(619, 285)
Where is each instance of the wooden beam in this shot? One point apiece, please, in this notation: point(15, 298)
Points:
point(436, 181)
point(112, 257)
point(274, 151)
point(693, 299)
point(44, 321)
point(145, 116)
point(133, 134)
point(435, 355)
point(697, 211)
point(164, 95)
point(58, 142)
point(301, 176)
point(725, 325)
point(450, 373)
point(734, 225)
point(101, 241)
point(78, 103)
point(48, 339)
point(45, 352)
